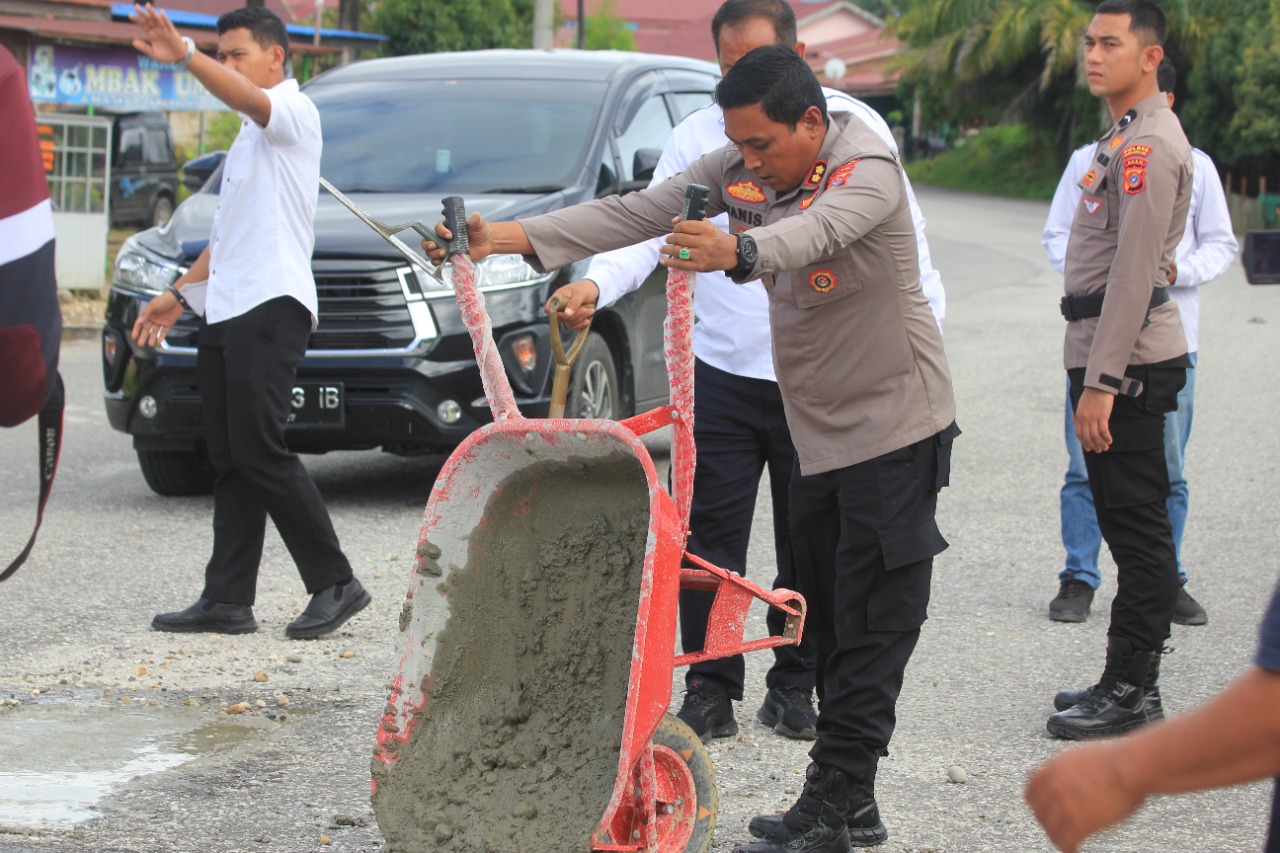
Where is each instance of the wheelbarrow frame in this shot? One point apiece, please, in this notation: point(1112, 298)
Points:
point(637, 818)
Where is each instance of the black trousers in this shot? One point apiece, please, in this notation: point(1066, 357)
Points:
point(245, 367)
point(864, 539)
point(1130, 483)
point(740, 429)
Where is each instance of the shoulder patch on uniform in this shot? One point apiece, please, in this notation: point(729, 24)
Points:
point(746, 191)
point(822, 281)
point(1136, 151)
point(816, 173)
point(1116, 142)
point(1135, 168)
point(1091, 205)
point(840, 176)
point(1089, 177)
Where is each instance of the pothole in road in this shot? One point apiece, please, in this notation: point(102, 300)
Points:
point(58, 761)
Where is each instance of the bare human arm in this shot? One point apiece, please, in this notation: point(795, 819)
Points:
point(156, 318)
point(1233, 739)
point(162, 42)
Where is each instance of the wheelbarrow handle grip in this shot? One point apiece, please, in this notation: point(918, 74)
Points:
point(455, 219)
point(695, 202)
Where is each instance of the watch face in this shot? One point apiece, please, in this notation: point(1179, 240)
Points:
point(747, 250)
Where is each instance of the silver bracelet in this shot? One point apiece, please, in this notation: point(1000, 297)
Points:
point(191, 51)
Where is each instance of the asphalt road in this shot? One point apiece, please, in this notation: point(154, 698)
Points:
point(113, 737)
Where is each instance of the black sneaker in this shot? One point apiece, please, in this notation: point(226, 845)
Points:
point(1075, 597)
point(789, 712)
point(1188, 611)
point(710, 715)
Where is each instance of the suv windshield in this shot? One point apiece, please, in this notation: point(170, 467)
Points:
point(456, 136)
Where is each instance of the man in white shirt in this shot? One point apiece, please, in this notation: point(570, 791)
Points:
point(258, 314)
point(1208, 246)
point(740, 427)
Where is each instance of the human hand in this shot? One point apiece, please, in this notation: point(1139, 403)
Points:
point(155, 320)
point(1173, 272)
point(708, 247)
point(1081, 792)
point(577, 303)
point(479, 239)
point(161, 40)
point(1093, 413)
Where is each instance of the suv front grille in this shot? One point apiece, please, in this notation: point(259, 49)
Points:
point(362, 306)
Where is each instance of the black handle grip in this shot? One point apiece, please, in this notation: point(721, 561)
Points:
point(455, 219)
point(695, 202)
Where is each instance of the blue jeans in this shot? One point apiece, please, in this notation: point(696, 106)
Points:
point(1080, 535)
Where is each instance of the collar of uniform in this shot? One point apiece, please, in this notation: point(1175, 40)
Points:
point(1147, 106)
point(835, 126)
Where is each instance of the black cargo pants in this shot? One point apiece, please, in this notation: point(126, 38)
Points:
point(1130, 483)
point(864, 539)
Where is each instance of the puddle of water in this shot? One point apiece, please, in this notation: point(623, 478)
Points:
point(59, 761)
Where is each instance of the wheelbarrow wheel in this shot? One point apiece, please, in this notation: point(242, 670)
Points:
point(686, 786)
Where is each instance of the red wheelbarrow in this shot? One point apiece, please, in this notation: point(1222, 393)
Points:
point(528, 710)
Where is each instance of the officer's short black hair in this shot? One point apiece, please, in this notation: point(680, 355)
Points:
point(777, 12)
point(264, 25)
point(1166, 76)
point(1145, 16)
point(778, 79)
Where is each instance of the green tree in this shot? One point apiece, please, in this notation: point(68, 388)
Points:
point(1257, 121)
point(606, 30)
point(433, 26)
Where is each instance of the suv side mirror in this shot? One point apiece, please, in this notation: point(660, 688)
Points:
point(1261, 257)
point(196, 171)
point(643, 164)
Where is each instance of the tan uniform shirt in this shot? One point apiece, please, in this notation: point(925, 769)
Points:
point(1123, 238)
point(858, 355)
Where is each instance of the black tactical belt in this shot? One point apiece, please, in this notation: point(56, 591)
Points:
point(1084, 307)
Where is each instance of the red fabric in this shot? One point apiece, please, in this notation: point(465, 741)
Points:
point(25, 384)
point(22, 181)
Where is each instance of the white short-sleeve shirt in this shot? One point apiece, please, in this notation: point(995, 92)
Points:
point(263, 230)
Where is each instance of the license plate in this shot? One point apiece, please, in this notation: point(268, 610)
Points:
point(316, 404)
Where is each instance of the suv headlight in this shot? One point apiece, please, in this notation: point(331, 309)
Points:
point(496, 272)
point(141, 271)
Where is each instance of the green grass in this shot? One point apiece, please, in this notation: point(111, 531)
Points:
point(1004, 160)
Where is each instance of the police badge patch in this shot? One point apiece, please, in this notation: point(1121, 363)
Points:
point(1089, 177)
point(1091, 205)
point(840, 176)
point(822, 280)
point(1135, 168)
point(746, 191)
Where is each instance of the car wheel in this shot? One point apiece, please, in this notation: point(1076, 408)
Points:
point(593, 383)
point(176, 474)
point(161, 211)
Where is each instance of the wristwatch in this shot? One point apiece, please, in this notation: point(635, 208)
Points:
point(748, 254)
point(191, 51)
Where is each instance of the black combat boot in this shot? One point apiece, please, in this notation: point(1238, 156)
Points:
point(816, 823)
point(863, 820)
point(1153, 706)
point(1117, 703)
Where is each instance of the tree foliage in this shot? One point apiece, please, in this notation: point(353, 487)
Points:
point(433, 26)
point(606, 30)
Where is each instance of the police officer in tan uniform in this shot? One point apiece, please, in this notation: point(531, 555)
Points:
point(864, 381)
point(1126, 356)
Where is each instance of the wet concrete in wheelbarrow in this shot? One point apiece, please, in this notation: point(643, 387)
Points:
point(518, 746)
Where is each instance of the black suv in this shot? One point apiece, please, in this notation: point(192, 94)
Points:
point(144, 170)
point(514, 132)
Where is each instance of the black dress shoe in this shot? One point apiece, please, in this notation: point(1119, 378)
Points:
point(209, 616)
point(328, 609)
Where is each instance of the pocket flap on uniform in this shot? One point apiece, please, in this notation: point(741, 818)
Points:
point(906, 545)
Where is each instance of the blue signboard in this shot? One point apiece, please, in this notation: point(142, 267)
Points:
point(112, 78)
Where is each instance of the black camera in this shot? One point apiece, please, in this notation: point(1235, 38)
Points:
point(1262, 257)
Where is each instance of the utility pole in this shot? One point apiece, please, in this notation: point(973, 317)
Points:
point(582, 27)
point(543, 25)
